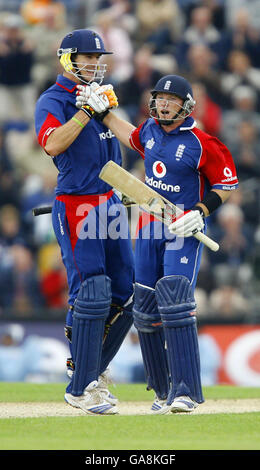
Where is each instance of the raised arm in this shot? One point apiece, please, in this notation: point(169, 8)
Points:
point(120, 128)
point(63, 136)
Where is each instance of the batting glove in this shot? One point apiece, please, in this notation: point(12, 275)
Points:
point(123, 198)
point(89, 101)
point(109, 92)
point(187, 224)
point(96, 99)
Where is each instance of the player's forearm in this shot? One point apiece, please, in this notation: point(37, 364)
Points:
point(120, 128)
point(224, 195)
point(62, 137)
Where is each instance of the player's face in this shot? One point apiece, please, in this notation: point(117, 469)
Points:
point(89, 67)
point(167, 105)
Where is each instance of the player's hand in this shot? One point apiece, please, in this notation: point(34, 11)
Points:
point(91, 102)
point(90, 95)
point(187, 224)
point(123, 198)
point(83, 93)
point(109, 92)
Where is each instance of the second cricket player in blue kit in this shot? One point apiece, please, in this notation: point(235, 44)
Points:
point(196, 172)
point(100, 265)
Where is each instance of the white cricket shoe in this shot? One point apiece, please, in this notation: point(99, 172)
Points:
point(103, 381)
point(183, 404)
point(159, 407)
point(92, 401)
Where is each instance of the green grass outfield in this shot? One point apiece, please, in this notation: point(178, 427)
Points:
point(224, 431)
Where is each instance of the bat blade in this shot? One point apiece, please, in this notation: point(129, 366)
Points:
point(148, 199)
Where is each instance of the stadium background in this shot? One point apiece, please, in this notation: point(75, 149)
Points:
point(215, 44)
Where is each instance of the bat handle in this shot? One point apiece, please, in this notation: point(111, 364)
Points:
point(42, 210)
point(211, 244)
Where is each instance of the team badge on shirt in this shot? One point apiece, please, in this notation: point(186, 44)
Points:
point(179, 151)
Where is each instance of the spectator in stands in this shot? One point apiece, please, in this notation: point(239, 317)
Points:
point(35, 12)
point(19, 285)
point(240, 72)
point(201, 67)
point(45, 35)
point(243, 108)
point(26, 155)
point(5, 160)
point(234, 236)
point(248, 199)
point(122, 12)
point(52, 276)
point(160, 24)
point(217, 8)
point(246, 149)
point(38, 190)
point(207, 114)
point(143, 77)
point(11, 229)
point(8, 176)
point(227, 302)
point(17, 92)
point(252, 7)
point(200, 31)
point(241, 35)
point(120, 63)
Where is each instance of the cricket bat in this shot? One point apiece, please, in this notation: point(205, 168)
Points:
point(148, 199)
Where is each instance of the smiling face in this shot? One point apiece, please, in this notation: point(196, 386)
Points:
point(86, 68)
point(87, 65)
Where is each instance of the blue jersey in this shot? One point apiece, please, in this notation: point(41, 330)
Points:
point(79, 165)
point(184, 164)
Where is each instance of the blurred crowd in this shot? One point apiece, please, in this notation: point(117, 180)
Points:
point(215, 44)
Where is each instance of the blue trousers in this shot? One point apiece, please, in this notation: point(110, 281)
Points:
point(159, 254)
point(92, 232)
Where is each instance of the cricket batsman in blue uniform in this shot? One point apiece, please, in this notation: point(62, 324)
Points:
point(99, 264)
point(196, 172)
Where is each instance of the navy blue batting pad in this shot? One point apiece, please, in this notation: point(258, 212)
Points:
point(177, 305)
point(91, 309)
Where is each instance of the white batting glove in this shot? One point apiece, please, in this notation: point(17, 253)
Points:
point(188, 224)
point(83, 93)
point(86, 96)
point(89, 101)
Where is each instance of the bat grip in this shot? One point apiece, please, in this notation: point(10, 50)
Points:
point(211, 244)
point(42, 210)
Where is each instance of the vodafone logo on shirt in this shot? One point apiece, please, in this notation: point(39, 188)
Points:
point(159, 169)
